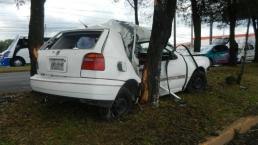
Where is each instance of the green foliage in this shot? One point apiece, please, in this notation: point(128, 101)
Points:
point(4, 44)
point(14, 69)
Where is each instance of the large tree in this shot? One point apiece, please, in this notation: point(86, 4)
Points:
point(255, 27)
point(36, 32)
point(164, 11)
point(197, 21)
point(232, 18)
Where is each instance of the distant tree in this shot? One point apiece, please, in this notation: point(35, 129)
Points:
point(164, 11)
point(134, 5)
point(36, 32)
point(211, 12)
point(4, 44)
point(193, 9)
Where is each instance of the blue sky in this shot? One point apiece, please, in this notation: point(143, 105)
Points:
point(62, 15)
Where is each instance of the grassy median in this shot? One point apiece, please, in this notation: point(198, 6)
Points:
point(14, 69)
point(29, 119)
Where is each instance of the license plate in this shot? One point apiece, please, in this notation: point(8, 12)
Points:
point(57, 64)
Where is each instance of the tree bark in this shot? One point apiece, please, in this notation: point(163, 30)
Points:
point(240, 75)
point(136, 12)
point(211, 30)
point(232, 42)
point(255, 27)
point(36, 32)
point(196, 16)
point(161, 31)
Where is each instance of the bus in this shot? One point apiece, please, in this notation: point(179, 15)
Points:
point(17, 54)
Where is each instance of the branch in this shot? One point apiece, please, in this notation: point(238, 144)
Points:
point(130, 3)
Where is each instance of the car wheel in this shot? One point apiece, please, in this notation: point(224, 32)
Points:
point(17, 61)
point(121, 106)
point(198, 81)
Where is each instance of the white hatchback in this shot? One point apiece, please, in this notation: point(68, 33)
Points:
point(102, 65)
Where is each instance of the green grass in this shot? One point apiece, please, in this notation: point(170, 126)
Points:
point(30, 120)
point(14, 69)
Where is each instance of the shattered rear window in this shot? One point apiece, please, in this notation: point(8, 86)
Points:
point(77, 40)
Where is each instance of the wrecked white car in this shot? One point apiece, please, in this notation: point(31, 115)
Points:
point(102, 65)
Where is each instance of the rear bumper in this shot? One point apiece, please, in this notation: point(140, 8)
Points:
point(99, 92)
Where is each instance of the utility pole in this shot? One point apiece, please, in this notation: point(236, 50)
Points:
point(211, 30)
point(175, 30)
point(191, 32)
point(45, 30)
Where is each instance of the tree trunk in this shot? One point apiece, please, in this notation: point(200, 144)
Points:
point(255, 27)
point(232, 42)
point(161, 31)
point(196, 16)
point(136, 12)
point(175, 30)
point(240, 75)
point(36, 32)
point(211, 30)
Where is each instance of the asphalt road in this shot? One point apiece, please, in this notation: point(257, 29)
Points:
point(14, 82)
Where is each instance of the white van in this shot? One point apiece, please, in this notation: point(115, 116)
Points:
point(17, 54)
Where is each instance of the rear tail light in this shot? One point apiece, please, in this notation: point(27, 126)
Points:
point(93, 61)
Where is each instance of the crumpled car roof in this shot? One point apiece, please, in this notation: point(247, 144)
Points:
point(126, 29)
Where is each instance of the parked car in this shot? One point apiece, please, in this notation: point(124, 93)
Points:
point(102, 65)
point(217, 53)
point(17, 54)
point(250, 53)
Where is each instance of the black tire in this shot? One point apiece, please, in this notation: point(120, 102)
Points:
point(17, 61)
point(121, 106)
point(198, 81)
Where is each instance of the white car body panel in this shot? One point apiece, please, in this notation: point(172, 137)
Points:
point(250, 53)
point(104, 85)
point(83, 88)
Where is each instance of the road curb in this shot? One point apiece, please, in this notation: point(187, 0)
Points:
point(242, 125)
